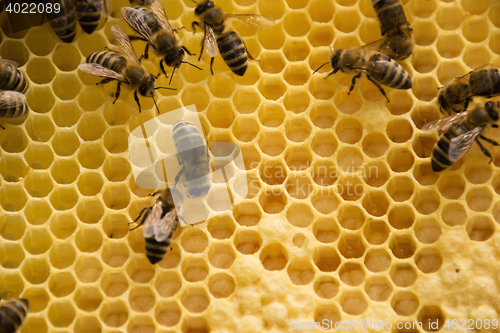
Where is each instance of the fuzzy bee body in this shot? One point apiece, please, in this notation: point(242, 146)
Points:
point(398, 42)
point(153, 26)
point(230, 45)
point(234, 52)
point(11, 78)
point(460, 132)
point(192, 154)
point(123, 68)
point(456, 94)
point(89, 13)
point(379, 68)
point(12, 104)
point(159, 224)
point(12, 315)
point(64, 22)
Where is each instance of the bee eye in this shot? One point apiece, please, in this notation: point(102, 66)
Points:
point(143, 89)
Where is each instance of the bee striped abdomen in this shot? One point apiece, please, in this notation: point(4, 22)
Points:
point(16, 107)
point(155, 251)
point(89, 15)
point(12, 79)
point(392, 11)
point(388, 72)
point(485, 82)
point(64, 22)
point(192, 149)
point(112, 60)
point(234, 52)
point(12, 315)
point(440, 159)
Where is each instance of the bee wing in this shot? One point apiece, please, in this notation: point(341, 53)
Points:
point(445, 122)
point(210, 41)
point(135, 19)
point(124, 42)
point(153, 218)
point(166, 226)
point(461, 144)
point(6, 62)
point(106, 5)
point(11, 99)
point(262, 21)
point(157, 8)
point(98, 70)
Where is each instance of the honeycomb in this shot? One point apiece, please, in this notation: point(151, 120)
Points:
point(344, 219)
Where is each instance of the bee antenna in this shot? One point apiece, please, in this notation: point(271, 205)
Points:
point(172, 76)
point(194, 1)
point(156, 105)
point(185, 62)
point(326, 63)
point(165, 88)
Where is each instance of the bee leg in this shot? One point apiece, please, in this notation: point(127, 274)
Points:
point(379, 87)
point(162, 68)
point(484, 150)
point(211, 64)
point(146, 51)
point(104, 81)
point(493, 142)
point(250, 56)
point(178, 177)
point(187, 51)
point(2, 127)
point(494, 125)
point(137, 100)
point(154, 194)
point(144, 210)
point(353, 82)
point(117, 93)
point(195, 24)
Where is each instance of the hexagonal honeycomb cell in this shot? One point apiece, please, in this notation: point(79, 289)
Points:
point(344, 218)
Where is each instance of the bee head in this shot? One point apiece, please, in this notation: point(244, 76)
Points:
point(335, 59)
point(175, 59)
point(148, 88)
point(442, 100)
point(203, 6)
point(492, 110)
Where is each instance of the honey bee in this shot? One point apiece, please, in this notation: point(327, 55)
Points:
point(460, 131)
point(155, 29)
point(89, 13)
point(232, 48)
point(64, 22)
point(379, 68)
point(12, 315)
point(456, 94)
point(159, 224)
point(11, 78)
point(125, 69)
point(12, 104)
point(192, 155)
point(398, 42)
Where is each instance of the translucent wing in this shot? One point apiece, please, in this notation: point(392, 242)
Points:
point(461, 144)
point(105, 8)
point(445, 122)
point(153, 218)
point(157, 8)
point(11, 99)
point(210, 42)
point(135, 18)
point(99, 70)
point(124, 43)
point(9, 62)
point(262, 21)
point(164, 228)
